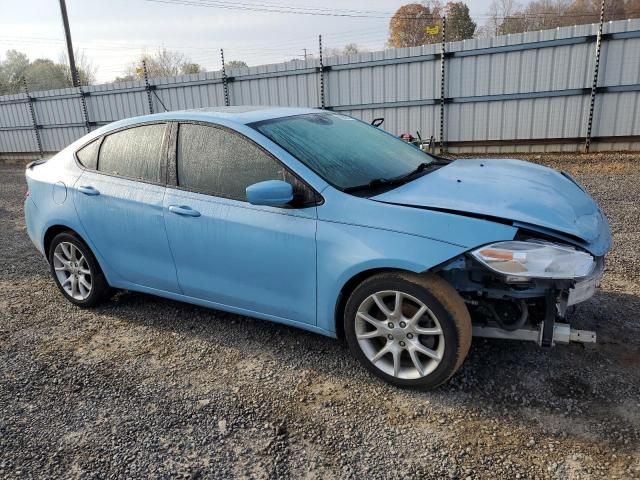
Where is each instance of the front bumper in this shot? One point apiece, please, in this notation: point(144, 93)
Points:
point(586, 287)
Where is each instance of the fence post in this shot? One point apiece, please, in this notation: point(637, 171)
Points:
point(442, 85)
point(146, 85)
point(322, 104)
point(83, 105)
point(594, 85)
point(33, 117)
point(225, 83)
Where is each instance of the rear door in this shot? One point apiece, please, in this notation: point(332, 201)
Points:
point(119, 200)
point(256, 258)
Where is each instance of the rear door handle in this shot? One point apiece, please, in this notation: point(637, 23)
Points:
point(182, 210)
point(88, 190)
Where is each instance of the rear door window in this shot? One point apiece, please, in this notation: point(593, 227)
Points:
point(134, 153)
point(219, 162)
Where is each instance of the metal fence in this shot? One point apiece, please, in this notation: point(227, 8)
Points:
point(523, 92)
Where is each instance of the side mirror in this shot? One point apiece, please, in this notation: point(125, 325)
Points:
point(377, 122)
point(274, 193)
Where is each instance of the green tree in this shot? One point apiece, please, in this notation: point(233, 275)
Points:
point(12, 69)
point(44, 74)
point(41, 74)
point(460, 26)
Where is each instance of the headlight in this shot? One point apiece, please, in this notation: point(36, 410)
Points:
point(535, 260)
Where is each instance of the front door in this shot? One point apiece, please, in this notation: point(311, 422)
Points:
point(254, 258)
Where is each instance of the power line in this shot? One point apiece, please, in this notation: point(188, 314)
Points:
point(288, 10)
point(292, 7)
point(313, 11)
point(285, 44)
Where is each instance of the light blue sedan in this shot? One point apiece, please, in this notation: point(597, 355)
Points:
point(323, 222)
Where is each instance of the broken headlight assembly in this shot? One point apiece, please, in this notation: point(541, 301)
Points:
point(524, 260)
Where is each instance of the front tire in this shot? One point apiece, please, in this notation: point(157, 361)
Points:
point(410, 330)
point(76, 271)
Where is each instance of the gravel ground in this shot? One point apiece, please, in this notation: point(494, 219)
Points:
point(146, 387)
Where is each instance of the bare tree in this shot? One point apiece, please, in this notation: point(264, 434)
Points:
point(163, 63)
point(348, 49)
point(351, 49)
point(498, 11)
point(507, 17)
point(84, 65)
point(235, 64)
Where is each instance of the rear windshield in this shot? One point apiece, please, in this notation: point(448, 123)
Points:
point(344, 151)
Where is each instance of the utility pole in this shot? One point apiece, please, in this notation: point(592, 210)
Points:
point(305, 54)
point(67, 34)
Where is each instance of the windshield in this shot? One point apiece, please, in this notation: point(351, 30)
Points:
point(344, 151)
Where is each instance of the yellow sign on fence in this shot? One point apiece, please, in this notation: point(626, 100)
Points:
point(433, 30)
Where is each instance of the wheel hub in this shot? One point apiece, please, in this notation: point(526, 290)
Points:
point(398, 334)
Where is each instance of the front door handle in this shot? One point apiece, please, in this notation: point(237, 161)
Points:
point(183, 210)
point(88, 190)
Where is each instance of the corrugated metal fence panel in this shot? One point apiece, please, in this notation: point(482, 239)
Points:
point(187, 91)
point(53, 107)
point(17, 141)
point(528, 86)
point(110, 102)
point(14, 114)
point(618, 113)
point(16, 133)
point(283, 84)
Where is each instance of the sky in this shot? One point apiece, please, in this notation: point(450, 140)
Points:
point(113, 33)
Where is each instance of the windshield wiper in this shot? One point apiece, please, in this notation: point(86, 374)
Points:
point(402, 179)
point(437, 162)
point(377, 183)
point(423, 166)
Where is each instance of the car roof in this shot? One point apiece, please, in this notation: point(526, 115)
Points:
point(240, 114)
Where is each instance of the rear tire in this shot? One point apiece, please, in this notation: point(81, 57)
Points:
point(76, 272)
point(410, 330)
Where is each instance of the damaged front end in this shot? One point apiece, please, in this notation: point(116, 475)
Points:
point(523, 289)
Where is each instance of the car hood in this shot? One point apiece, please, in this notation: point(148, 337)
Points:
point(514, 190)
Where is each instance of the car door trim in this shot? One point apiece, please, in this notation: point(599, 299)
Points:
point(232, 202)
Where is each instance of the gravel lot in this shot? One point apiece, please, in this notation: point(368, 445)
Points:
point(146, 387)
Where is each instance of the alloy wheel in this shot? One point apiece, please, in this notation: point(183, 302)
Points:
point(72, 271)
point(399, 334)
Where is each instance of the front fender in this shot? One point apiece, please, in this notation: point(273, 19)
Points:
point(345, 251)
